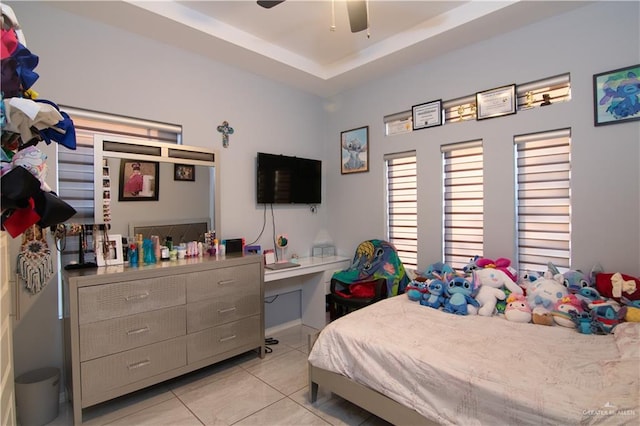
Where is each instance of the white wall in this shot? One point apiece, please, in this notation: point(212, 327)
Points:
point(605, 191)
point(89, 65)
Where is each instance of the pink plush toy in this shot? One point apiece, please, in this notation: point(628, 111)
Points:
point(518, 309)
point(562, 308)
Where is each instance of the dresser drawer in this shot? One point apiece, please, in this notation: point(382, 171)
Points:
point(221, 310)
point(222, 282)
point(113, 371)
point(120, 334)
point(108, 301)
point(223, 338)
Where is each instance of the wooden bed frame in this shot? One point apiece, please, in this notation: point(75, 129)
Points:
point(360, 395)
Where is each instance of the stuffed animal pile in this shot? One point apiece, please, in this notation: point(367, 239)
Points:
point(591, 303)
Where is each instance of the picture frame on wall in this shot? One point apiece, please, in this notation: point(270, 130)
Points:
point(139, 180)
point(496, 102)
point(354, 150)
point(184, 172)
point(612, 103)
point(426, 115)
point(109, 252)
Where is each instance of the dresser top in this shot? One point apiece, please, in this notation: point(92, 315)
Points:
point(103, 274)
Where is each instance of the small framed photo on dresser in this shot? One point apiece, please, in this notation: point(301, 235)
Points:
point(109, 251)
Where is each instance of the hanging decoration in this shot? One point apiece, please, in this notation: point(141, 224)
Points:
point(35, 264)
point(226, 130)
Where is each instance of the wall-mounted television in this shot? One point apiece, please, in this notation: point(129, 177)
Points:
point(288, 180)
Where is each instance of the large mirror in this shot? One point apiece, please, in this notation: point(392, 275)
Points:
point(146, 184)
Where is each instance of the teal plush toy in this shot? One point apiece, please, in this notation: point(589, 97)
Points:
point(437, 270)
point(416, 289)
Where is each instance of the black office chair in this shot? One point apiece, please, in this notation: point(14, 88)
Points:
point(345, 298)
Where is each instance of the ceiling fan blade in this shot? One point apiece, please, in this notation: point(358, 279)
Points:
point(269, 4)
point(357, 15)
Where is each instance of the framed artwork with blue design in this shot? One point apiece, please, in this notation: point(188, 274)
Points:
point(616, 96)
point(354, 150)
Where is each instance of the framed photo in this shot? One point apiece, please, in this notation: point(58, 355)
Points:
point(427, 115)
point(184, 172)
point(496, 102)
point(139, 180)
point(615, 96)
point(354, 149)
point(109, 252)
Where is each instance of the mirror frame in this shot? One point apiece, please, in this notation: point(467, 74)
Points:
point(145, 150)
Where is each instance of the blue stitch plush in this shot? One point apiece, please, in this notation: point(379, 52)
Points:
point(461, 292)
point(437, 270)
point(435, 297)
point(416, 289)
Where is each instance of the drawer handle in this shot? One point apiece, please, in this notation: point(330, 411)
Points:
point(224, 311)
point(139, 364)
point(225, 282)
point(225, 339)
point(137, 296)
point(138, 330)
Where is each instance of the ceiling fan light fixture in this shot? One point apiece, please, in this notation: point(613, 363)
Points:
point(358, 15)
point(269, 4)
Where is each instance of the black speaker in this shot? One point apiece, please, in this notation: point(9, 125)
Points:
point(235, 245)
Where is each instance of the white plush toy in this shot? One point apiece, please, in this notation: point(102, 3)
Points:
point(546, 291)
point(492, 282)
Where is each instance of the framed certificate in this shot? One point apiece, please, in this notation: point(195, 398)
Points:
point(496, 102)
point(427, 115)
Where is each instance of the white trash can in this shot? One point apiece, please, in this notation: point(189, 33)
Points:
point(37, 396)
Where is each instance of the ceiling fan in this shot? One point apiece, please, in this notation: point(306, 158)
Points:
point(357, 9)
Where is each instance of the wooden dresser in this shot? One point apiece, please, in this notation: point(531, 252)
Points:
point(126, 328)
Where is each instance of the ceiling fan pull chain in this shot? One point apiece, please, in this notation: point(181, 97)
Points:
point(368, 26)
point(333, 16)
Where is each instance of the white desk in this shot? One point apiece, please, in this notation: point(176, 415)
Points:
point(312, 277)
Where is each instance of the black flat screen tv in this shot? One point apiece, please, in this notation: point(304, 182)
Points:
point(288, 180)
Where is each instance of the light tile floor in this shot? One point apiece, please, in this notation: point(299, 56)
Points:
point(245, 390)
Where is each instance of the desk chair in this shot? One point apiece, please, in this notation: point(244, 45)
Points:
point(342, 300)
point(375, 261)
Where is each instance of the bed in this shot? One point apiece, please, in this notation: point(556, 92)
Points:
point(411, 364)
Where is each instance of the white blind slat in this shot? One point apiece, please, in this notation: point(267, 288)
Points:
point(463, 211)
point(402, 205)
point(543, 193)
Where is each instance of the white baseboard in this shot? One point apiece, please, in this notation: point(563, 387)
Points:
point(276, 328)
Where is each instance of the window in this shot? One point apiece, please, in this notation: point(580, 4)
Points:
point(463, 202)
point(543, 194)
point(402, 206)
point(396, 124)
point(532, 94)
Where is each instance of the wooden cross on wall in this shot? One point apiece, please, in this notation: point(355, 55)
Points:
point(226, 130)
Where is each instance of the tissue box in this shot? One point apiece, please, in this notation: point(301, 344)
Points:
point(323, 250)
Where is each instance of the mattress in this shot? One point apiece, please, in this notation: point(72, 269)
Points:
point(485, 370)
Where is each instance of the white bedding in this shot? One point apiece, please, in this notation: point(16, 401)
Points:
point(485, 370)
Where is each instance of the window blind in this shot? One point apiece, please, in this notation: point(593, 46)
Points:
point(463, 202)
point(543, 194)
point(402, 205)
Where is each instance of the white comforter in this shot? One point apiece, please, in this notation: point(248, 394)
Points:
point(485, 370)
